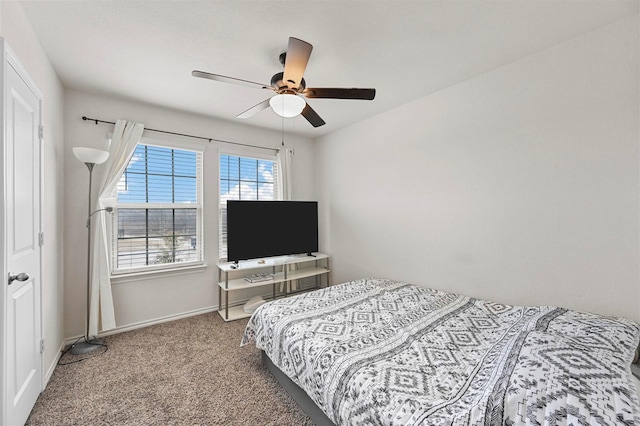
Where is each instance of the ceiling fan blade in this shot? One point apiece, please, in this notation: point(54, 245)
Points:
point(312, 116)
point(255, 109)
point(340, 93)
point(232, 80)
point(298, 54)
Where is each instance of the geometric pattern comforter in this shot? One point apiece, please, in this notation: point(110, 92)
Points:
point(380, 352)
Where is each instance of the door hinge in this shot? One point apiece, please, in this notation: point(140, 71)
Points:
point(41, 239)
point(41, 346)
point(41, 131)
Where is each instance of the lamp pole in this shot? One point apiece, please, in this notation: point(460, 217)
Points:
point(90, 157)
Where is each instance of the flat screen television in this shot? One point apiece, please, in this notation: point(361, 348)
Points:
point(257, 229)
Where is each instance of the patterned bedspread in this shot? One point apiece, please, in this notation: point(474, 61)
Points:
point(379, 352)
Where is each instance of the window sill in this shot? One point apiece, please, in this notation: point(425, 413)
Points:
point(152, 275)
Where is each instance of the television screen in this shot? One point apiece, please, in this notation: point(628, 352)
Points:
point(258, 229)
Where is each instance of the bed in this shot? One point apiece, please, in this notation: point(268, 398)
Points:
point(381, 352)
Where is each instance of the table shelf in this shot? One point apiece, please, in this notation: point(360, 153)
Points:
point(285, 269)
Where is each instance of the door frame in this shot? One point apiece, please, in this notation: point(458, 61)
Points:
point(9, 59)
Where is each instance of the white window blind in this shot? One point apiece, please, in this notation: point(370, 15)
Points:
point(244, 178)
point(157, 222)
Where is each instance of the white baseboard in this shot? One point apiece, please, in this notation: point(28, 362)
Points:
point(147, 323)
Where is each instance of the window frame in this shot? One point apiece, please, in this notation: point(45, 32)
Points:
point(246, 153)
point(177, 145)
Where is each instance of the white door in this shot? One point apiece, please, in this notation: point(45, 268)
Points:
point(22, 353)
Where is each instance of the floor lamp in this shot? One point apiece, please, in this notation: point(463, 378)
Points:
point(90, 157)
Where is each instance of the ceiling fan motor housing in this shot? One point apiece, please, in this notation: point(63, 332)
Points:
point(283, 86)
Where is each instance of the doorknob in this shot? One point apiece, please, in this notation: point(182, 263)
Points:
point(22, 276)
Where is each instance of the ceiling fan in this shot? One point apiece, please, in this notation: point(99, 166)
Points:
point(290, 86)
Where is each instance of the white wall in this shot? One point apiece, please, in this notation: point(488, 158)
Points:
point(145, 300)
point(520, 185)
point(22, 40)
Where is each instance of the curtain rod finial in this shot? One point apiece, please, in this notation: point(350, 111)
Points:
point(85, 118)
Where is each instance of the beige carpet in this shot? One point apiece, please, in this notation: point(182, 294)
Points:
point(186, 372)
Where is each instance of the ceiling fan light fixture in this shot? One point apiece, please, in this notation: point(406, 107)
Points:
point(287, 105)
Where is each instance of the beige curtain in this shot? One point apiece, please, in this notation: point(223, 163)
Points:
point(285, 190)
point(285, 184)
point(126, 136)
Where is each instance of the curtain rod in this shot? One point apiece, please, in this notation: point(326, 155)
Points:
point(85, 118)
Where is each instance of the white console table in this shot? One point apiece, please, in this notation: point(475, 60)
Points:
point(282, 271)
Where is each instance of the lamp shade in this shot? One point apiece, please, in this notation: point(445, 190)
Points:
point(90, 155)
point(287, 105)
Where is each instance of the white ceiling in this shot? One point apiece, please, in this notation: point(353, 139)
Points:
point(146, 50)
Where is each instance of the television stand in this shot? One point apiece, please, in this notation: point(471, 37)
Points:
point(284, 269)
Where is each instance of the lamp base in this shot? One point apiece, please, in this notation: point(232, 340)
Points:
point(86, 347)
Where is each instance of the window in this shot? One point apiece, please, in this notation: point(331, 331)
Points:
point(158, 215)
point(244, 178)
